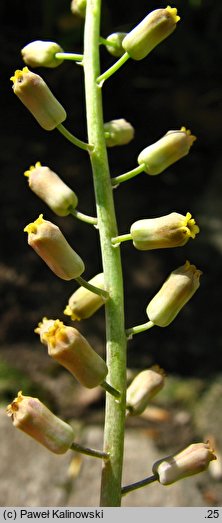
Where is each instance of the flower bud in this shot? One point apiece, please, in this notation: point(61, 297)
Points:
point(50, 244)
point(153, 29)
point(143, 388)
point(78, 7)
point(41, 54)
point(190, 461)
point(166, 151)
point(69, 348)
point(120, 132)
point(172, 230)
point(51, 189)
point(37, 97)
point(31, 416)
point(84, 303)
point(177, 290)
point(115, 47)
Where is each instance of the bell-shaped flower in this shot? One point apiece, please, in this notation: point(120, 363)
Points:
point(46, 184)
point(153, 29)
point(166, 151)
point(143, 388)
point(69, 348)
point(118, 132)
point(41, 54)
point(32, 417)
point(83, 303)
point(37, 97)
point(172, 230)
point(177, 290)
point(190, 461)
point(50, 244)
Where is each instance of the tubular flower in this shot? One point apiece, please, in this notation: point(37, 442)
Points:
point(69, 348)
point(166, 151)
point(153, 29)
point(115, 44)
point(31, 416)
point(177, 290)
point(84, 303)
point(119, 132)
point(172, 230)
point(37, 97)
point(143, 388)
point(41, 54)
point(190, 461)
point(50, 244)
point(51, 189)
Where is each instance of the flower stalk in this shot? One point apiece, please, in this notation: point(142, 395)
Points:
point(116, 338)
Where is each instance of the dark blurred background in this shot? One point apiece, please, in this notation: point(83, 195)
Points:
point(178, 84)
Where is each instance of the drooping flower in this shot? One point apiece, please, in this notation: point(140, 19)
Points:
point(46, 184)
point(50, 244)
point(172, 230)
point(31, 416)
point(37, 97)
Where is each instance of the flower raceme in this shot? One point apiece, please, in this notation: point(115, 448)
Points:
point(69, 348)
point(172, 230)
point(51, 189)
point(37, 97)
point(83, 303)
point(190, 461)
point(177, 290)
point(31, 416)
point(166, 151)
point(41, 54)
point(50, 244)
point(153, 29)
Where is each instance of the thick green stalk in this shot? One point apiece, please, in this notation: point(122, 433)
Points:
point(115, 330)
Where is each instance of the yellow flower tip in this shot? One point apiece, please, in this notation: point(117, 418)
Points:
point(13, 407)
point(55, 332)
point(68, 312)
point(32, 168)
point(191, 226)
point(19, 74)
point(37, 330)
point(32, 227)
point(173, 13)
point(190, 267)
point(192, 137)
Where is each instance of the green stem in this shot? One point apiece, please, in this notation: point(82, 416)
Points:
point(88, 451)
point(69, 56)
point(139, 328)
point(83, 217)
point(139, 484)
point(75, 141)
point(92, 288)
point(115, 330)
point(122, 238)
point(127, 176)
point(101, 79)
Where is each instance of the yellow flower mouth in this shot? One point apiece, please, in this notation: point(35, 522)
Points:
point(173, 12)
point(18, 76)
point(31, 228)
point(191, 227)
point(14, 406)
point(32, 168)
